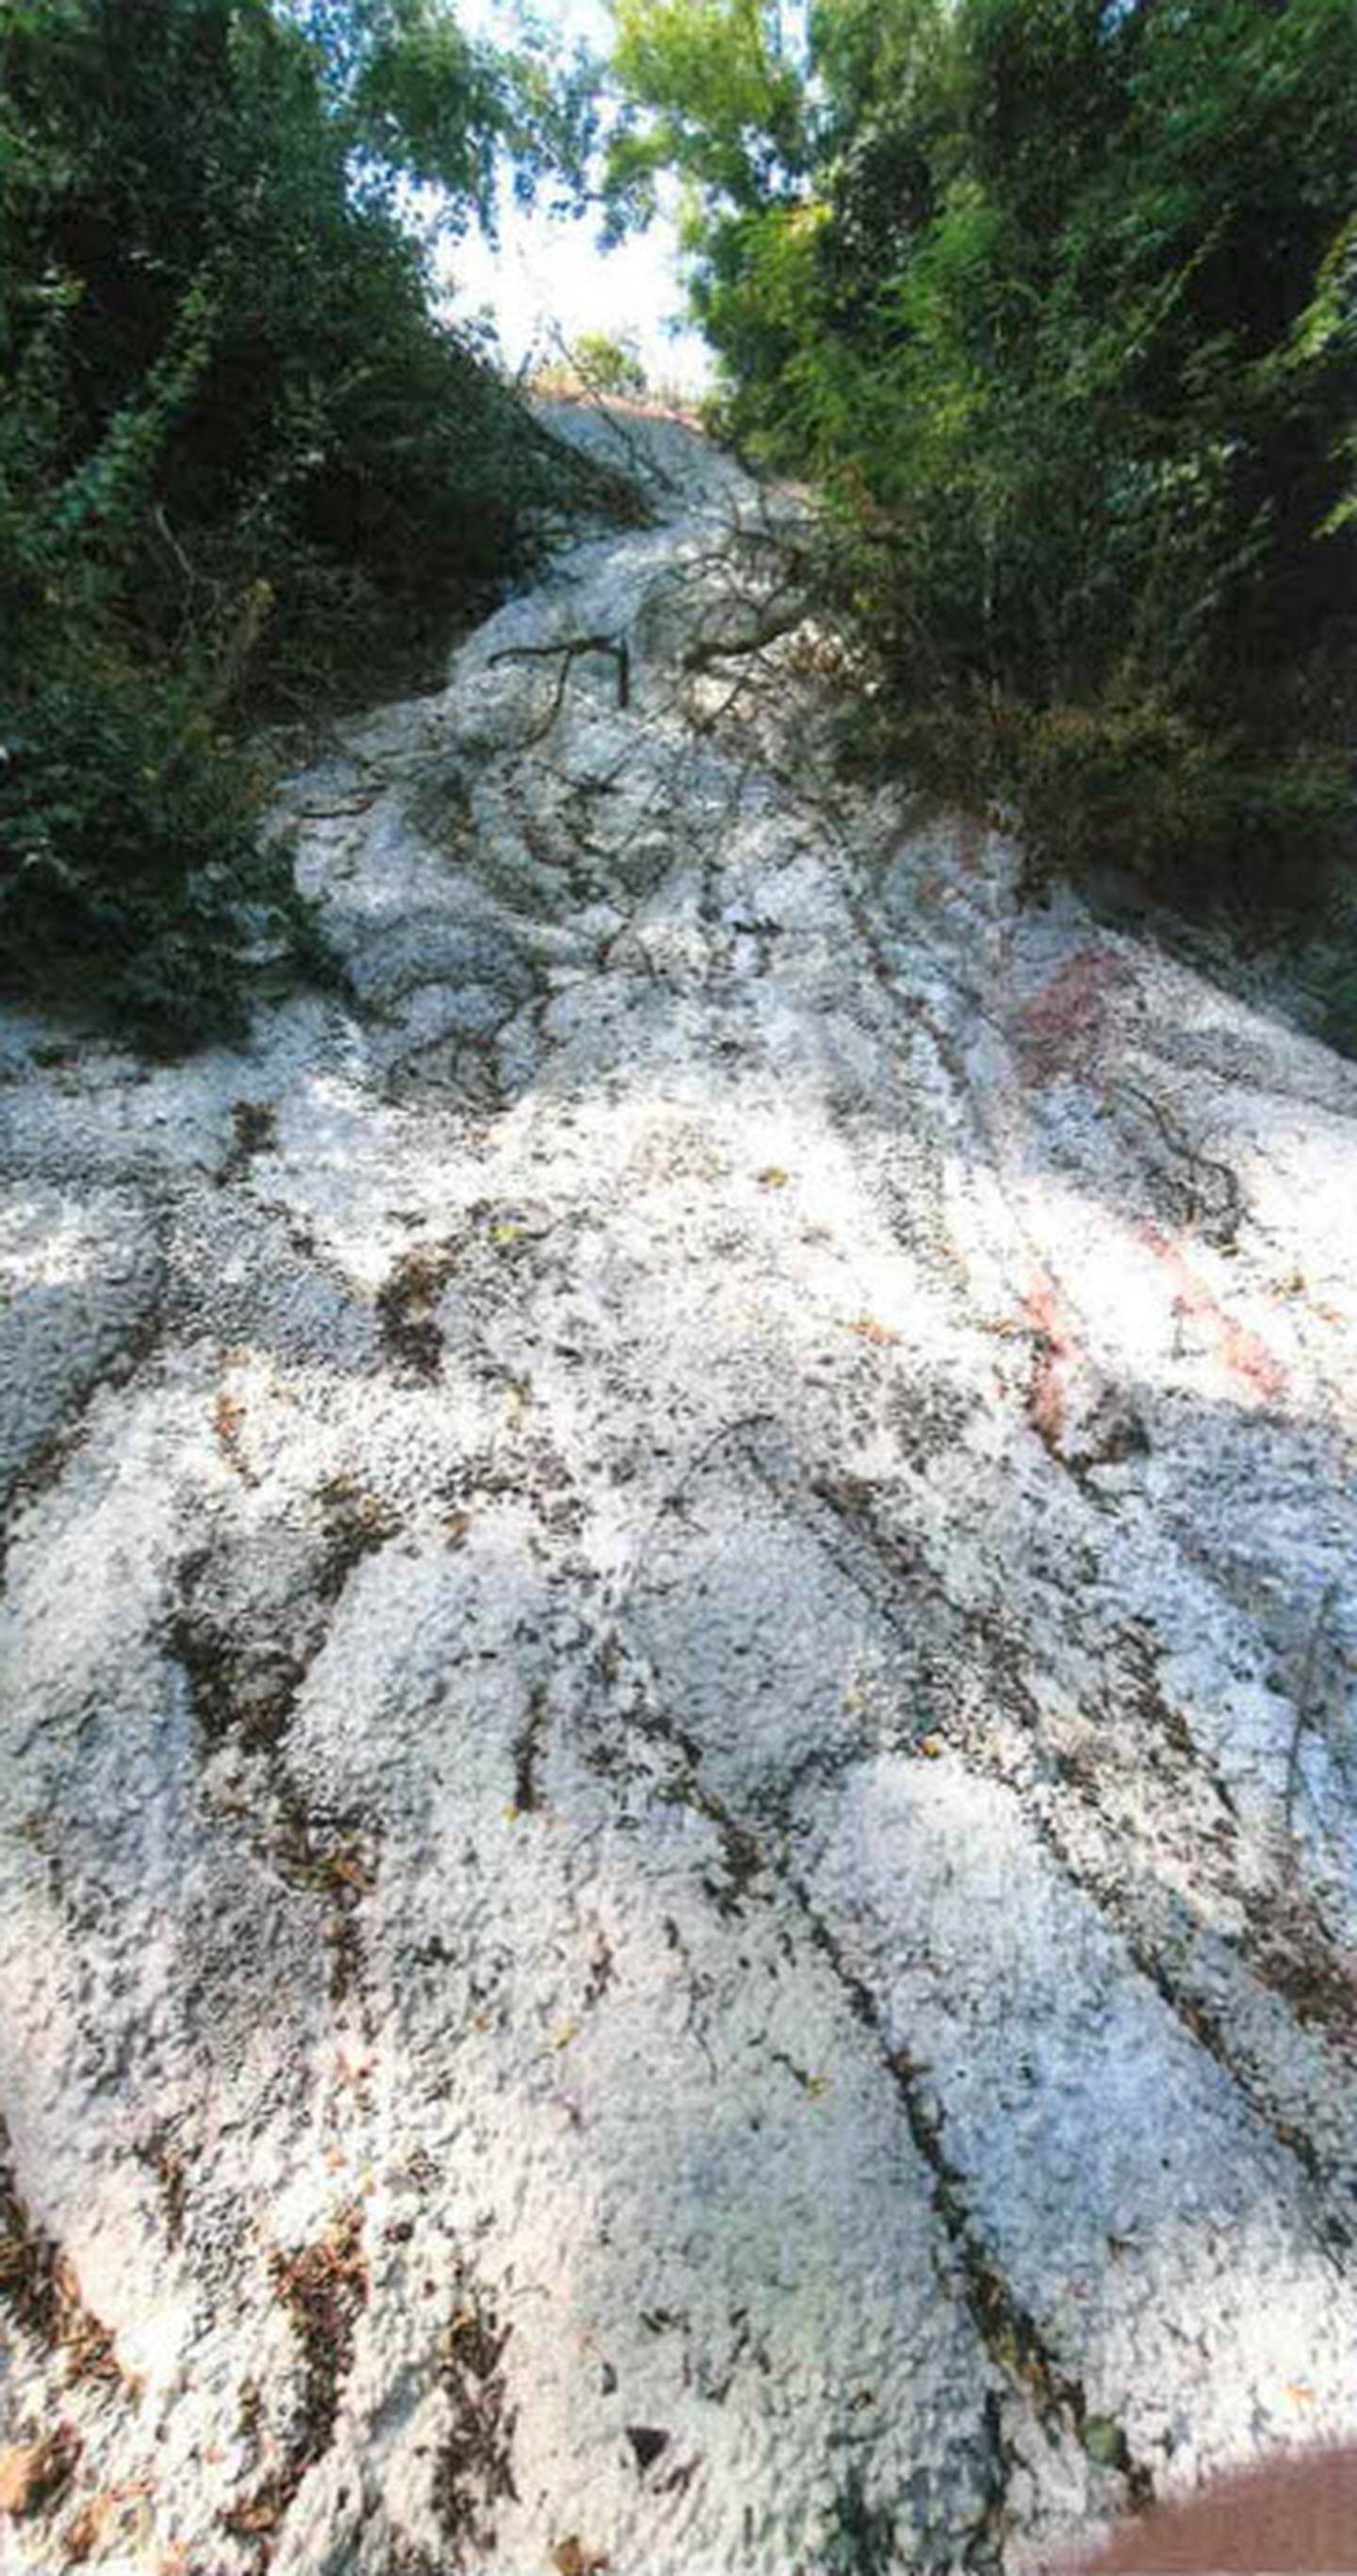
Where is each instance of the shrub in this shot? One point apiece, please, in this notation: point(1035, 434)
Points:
point(1058, 298)
point(242, 468)
point(608, 366)
point(132, 874)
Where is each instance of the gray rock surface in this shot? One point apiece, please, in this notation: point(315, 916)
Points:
point(678, 1663)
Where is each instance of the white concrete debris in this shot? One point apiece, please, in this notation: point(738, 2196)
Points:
point(678, 1672)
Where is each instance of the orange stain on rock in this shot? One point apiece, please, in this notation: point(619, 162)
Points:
point(1245, 1355)
point(1061, 1027)
point(1056, 1352)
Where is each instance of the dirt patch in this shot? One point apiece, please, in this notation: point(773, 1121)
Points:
point(475, 2467)
point(1293, 1953)
point(356, 1524)
point(324, 2288)
point(335, 1862)
point(411, 1334)
point(35, 2475)
point(238, 1686)
point(38, 2285)
point(254, 1130)
point(167, 2164)
point(243, 1673)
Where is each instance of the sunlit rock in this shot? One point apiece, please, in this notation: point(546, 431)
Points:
point(677, 1668)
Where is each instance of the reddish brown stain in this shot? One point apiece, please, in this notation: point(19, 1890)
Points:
point(1246, 1357)
point(1062, 1025)
point(1056, 1352)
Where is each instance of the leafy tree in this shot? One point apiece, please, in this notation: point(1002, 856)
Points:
point(423, 99)
point(608, 366)
point(1058, 298)
point(724, 99)
point(240, 464)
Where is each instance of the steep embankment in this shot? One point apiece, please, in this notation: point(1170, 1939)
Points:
point(680, 1880)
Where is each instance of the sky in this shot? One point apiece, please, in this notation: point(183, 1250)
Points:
point(547, 278)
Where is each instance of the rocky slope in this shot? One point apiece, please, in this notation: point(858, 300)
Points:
point(678, 1661)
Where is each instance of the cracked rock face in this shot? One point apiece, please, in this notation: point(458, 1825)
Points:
point(678, 1657)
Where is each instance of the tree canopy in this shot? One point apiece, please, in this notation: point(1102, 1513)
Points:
point(1059, 300)
point(240, 462)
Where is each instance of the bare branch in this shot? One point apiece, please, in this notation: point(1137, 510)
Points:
point(570, 650)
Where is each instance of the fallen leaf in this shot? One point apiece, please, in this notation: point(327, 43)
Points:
point(565, 2035)
point(931, 1746)
point(817, 2086)
point(773, 1177)
point(455, 1527)
point(647, 2441)
point(1103, 2440)
point(571, 2558)
point(870, 1331)
point(17, 2476)
point(254, 2515)
point(31, 2473)
point(228, 1413)
point(506, 1233)
point(83, 2533)
point(1300, 2392)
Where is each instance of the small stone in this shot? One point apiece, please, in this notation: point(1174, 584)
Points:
point(647, 2442)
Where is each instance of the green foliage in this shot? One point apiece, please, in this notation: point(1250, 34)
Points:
point(241, 467)
point(608, 366)
point(131, 874)
point(1338, 997)
point(710, 91)
point(419, 96)
point(1059, 299)
point(725, 103)
point(1127, 783)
